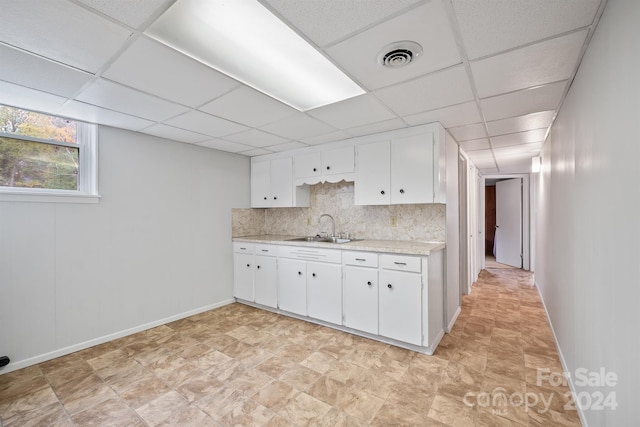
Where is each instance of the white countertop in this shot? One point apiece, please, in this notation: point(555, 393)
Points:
point(411, 247)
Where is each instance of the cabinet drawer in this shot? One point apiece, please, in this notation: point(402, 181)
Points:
point(401, 263)
point(362, 259)
point(268, 250)
point(310, 253)
point(242, 247)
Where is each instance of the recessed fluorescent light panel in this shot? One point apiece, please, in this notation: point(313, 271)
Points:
point(244, 40)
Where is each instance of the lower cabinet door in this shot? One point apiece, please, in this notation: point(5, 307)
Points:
point(292, 286)
point(266, 292)
point(243, 276)
point(360, 290)
point(324, 288)
point(401, 306)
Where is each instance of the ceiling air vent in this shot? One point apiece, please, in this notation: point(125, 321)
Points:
point(399, 54)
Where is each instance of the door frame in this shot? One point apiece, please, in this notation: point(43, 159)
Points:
point(526, 215)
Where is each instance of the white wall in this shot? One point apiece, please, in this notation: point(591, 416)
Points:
point(452, 293)
point(588, 216)
point(156, 247)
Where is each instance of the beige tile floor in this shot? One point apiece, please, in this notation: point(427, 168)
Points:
point(241, 366)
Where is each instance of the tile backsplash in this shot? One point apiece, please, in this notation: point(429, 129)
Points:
point(394, 222)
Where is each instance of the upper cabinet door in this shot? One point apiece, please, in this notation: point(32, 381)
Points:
point(373, 177)
point(412, 169)
point(282, 182)
point(307, 165)
point(338, 161)
point(260, 179)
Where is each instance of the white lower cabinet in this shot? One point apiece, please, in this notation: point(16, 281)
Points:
point(324, 291)
point(401, 298)
point(292, 286)
point(265, 281)
point(243, 276)
point(360, 289)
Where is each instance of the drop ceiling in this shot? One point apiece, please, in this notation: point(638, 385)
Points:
point(493, 72)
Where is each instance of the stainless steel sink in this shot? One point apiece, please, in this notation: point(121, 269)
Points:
point(322, 239)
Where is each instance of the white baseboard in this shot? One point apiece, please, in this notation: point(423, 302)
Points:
point(13, 366)
point(583, 420)
point(453, 320)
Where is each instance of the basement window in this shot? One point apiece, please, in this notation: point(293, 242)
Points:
point(46, 158)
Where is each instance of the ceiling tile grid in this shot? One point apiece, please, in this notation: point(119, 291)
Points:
point(493, 73)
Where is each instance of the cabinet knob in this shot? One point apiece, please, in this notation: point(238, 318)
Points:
point(258, 267)
point(401, 191)
point(382, 192)
point(315, 169)
point(265, 197)
point(275, 198)
point(389, 286)
point(299, 273)
point(328, 167)
point(369, 283)
point(313, 274)
point(248, 265)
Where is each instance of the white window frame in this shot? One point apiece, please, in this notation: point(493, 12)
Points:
point(87, 192)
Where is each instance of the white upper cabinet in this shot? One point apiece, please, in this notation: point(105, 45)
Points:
point(272, 184)
point(332, 165)
point(400, 171)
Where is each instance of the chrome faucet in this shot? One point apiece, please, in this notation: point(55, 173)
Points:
point(333, 223)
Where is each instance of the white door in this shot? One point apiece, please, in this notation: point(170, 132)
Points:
point(400, 308)
point(266, 292)
point(292, 286)
point(324, 291)
point(508, 239)
point(361, 299)
point(243, 276)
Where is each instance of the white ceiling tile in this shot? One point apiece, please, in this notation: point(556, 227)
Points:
point(155, 68)
point(62, 31)
point(175, 134)
point(457, 115)
point(377, 127)
point(132, 13)
point(292, 145)
point(39, 73)
point(249, 107)
point(357, 111)
point(256, 152)
point(495, 26)
point(113, 96)
point(521, 123)
point(93, 114)
point(523, 102)
point(515, 151)
point(298, 126)
point(327, 21)
point(475, 144)
point(30, 99)
point(256, 138)
point(484, 163)
point(488, 171)
point(465, 133)
point(427, 25)
point(329, 137)
point(481, 154)
point(546, 62)
point(527, 137)
point(430, 92)
point(222, 145)
point(207, 124)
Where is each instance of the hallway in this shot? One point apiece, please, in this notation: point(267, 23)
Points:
point(237, 365)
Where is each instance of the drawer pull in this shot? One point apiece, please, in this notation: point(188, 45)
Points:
point(299, 273)
point(400, 263)
point(248, 265)
point(361, 259)
point(243, 249)
point(313, 274)
point(369, 283)
point(389, 286)
point(258, 267)
point(265, 250)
